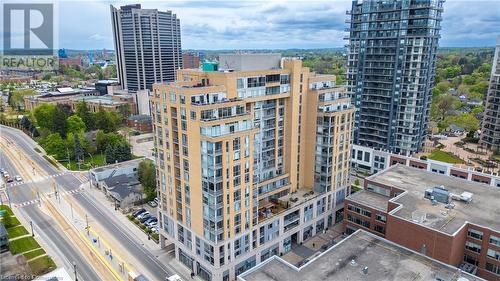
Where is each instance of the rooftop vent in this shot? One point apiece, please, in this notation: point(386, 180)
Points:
point(438, 194)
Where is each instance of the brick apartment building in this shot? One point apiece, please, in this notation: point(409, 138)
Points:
point(453, 220)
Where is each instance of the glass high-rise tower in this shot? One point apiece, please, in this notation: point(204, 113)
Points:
point(147, 46)
point(391, 66)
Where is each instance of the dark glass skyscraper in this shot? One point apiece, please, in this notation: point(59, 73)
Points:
point(391, 66)
point(147, 45)
point(490, 133)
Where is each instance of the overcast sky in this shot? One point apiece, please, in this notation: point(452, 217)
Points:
point(234, 24)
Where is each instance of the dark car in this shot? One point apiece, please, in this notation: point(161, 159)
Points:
point(138, 212)
point(9, 179)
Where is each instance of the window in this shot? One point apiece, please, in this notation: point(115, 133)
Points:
point(471, 260)
point(193, 115)
point(495, 240)
point(172, 97)
point(493, 254)
point(381, 218)
point(380, 229)
point(493, 268)
point(473, 247)
point(476, 234)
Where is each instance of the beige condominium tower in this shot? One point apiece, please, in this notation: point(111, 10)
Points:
point(252, 160)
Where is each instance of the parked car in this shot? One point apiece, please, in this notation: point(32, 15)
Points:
point(152, 204)
point(138, 212)
point(8, 179)
point(145, 218)
point(2, 171)
point(150, 220)
point(152, 223)
point(155, 229)
point(156, 200)
point(141, 215)
point(18, 178)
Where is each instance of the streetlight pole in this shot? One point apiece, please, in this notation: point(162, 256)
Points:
point(91, 166)
point(74, 270)
point(87, 221)
point(32, 232)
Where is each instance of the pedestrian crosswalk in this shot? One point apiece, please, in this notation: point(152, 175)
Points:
point(44, 178)
point(50, 195)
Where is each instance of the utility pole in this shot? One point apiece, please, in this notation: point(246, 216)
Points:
point(32, 232)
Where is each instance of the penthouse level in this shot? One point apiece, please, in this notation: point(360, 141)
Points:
point(450, 219)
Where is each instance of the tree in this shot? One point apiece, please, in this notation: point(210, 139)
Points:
point(442, 106)
point(110, 154)
point(75, 124)
point(107, 121)
point(83, 112)
point(59, 123)
point(54, 145)
point(44, 115)
point(147, 177)
point(78, 149)
point(16, 98)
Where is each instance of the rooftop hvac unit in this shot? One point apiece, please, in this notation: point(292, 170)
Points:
point(438, 194)
point(464, 196)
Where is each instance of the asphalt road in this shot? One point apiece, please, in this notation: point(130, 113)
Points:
point(158, 270)
point(46, 228)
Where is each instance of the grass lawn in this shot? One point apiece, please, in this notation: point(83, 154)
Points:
point(16, 231)
point(96, 161)
point(7, 209)
point(22, 245)
point(35, 253)
point(42, 265)
point(444, 156)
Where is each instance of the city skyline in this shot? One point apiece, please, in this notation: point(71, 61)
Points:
point(266, 25)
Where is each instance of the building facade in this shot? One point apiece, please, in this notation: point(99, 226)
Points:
point(391, 58)
point(147, 46)
point(490, 133)
point(447, 218)
point(250, 163)
point(190, 60)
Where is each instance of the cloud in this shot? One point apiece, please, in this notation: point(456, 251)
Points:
point(267, 24)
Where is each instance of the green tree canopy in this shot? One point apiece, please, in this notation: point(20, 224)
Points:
point(44, 115)
point(75, 124)
point(54, 145)
point(83, 112)
point(147, 177)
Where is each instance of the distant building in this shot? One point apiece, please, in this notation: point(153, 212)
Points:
point(142, 100)
point(361, 256)
point(71, 61)
point(249, 62)
point(123, 104)
point(107, 86)
point(490, 132)
point(147, 46)
point(444, 217)
point(141, 123)
point(63, 96)
point(391, 59)
point(190, 60)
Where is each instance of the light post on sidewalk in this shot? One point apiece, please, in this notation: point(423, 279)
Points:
point(91, 166)
point(32, 232)
point(74, 270)
point(87, 221)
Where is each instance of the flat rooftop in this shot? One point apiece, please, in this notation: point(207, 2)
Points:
point(346, 260)
point(483, 210)
point(370, 199)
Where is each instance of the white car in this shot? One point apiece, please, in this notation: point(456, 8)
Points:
point(174, 277)
point(18, 178)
